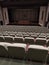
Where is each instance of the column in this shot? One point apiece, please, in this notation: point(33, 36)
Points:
point(5, 16)
point(47, 13)
point(42, 15)
point(1, 16)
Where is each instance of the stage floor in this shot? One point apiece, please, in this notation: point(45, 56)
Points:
point(6, 61)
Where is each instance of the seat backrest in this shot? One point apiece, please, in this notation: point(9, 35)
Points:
point(17, 50)
point(35, 35)
point(37, 53)
point(47, 42)
point(8, 39)
point(18, 40)
point(40, 41)
point(1, 38)
point(29, 40)
point(3, 49)
point(42, 35)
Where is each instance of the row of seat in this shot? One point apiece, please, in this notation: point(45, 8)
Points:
point(27, 40)
point(23, 28)
point(24, 51)
point(24, 34)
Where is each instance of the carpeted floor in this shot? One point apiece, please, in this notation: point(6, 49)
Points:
point(5, 61)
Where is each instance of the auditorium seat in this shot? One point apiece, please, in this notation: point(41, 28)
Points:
point(3, 50)
point(47, 42)
point(17, 50)
point(0, 33)
point(26, 35)
point(42, 33)
point(40, 41)
point(42, 36)
point(47, 60)
point(18, 39)
point(37, 53)
point(8, 39)
point(47, 34)
point(29, 40)
point(47, 37)
point(13, 35)
point(5, 33)
point(30, 33)
point(1, 38)
point(19, 35)
point(35, 35)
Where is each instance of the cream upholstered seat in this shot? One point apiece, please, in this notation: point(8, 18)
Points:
point(29, 40)
point(1, 38)
point(18, 39)
point(3, 49)
point(17, 50)
point(8, 39)
point(42, 35)
point(47, 60)
point(37, 53)
point(40, 41)
point(13, 35)
point(47, 42)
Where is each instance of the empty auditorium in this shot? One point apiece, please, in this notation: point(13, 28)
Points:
point(24, 32)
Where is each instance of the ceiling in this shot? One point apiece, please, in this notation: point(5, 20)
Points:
point(21, 3)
